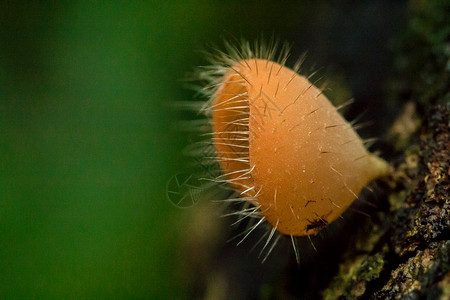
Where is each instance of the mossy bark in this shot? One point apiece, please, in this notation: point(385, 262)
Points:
point(410, 257)
point(410, 239)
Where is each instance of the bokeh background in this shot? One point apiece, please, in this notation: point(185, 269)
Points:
point(87, 135)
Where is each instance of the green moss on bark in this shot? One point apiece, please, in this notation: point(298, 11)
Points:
point(414, 246)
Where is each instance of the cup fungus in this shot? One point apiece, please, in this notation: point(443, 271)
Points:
point(282, 145)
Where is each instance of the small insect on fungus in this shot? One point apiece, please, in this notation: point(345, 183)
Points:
point(280, 144)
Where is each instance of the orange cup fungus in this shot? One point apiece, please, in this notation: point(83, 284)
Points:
point(283, 146)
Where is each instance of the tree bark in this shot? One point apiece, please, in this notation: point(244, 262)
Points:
point(411, 239)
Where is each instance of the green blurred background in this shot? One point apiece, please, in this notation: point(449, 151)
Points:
point(86, 128)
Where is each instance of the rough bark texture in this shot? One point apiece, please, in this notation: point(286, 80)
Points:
point(410, 256)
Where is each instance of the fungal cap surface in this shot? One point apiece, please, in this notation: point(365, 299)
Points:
point(283, 144)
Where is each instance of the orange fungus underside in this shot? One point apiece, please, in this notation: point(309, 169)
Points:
point(285, 146)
